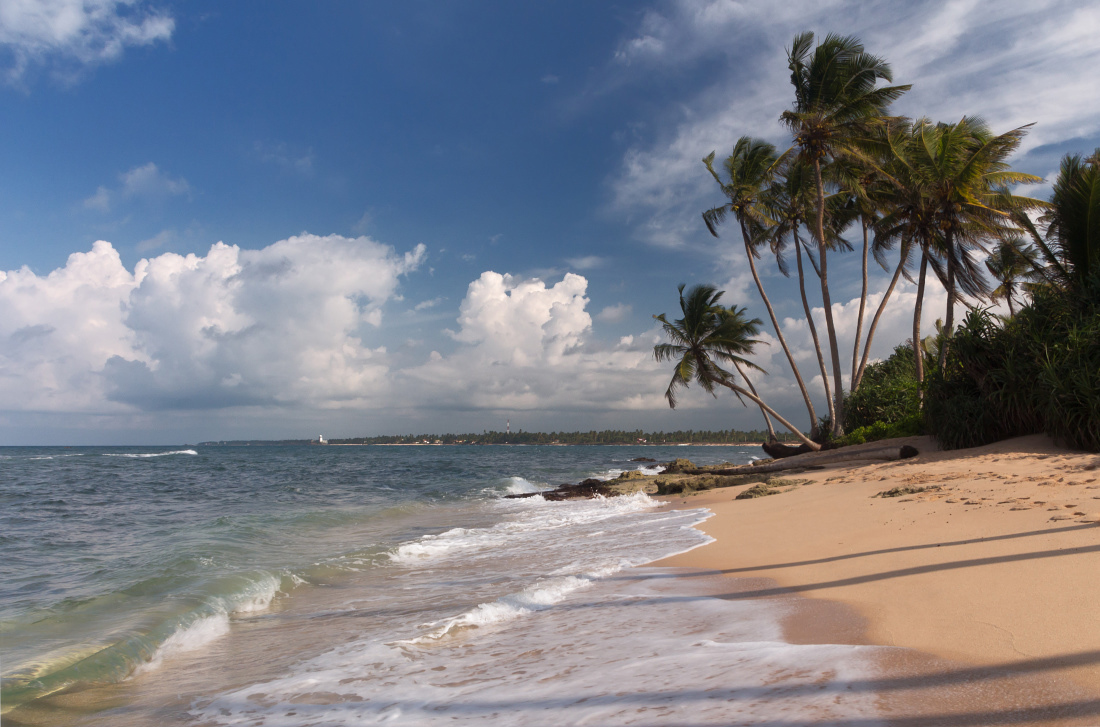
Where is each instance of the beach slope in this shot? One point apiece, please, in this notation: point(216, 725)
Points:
point(989, 556)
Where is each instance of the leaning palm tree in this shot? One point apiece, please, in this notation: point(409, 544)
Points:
point(708, 335)
point(750, 168)
point(836, 106)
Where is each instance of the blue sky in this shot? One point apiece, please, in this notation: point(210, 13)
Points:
point(434, 215)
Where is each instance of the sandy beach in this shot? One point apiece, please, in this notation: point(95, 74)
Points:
point(990, 573)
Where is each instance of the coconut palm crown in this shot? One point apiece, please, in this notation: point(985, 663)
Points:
point(837, 103)
point(707, 335)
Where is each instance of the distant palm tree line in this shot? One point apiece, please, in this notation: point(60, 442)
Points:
point(604, 436)
point(936, 193)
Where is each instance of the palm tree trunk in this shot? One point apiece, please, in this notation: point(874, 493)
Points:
point(862, 307)
point(813, 327)
point(1011, 310)
point(767, 419)
point(826, 300)
point(775, 324)
point(805, 440)
point(950, 317)
point(878, 315)
point(917, 352)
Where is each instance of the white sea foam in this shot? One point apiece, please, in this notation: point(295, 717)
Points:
point(540, 619)
point(520, 486)
point(196, 635)
point(616, 472)
point(532, 598)
point(633, 651)
point(532, 520)
point(143, 455)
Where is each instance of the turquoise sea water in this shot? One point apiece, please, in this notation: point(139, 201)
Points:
point(334, 585)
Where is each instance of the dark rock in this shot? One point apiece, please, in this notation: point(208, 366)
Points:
point(679, 465)
point(643, 459)
point(586, 489)
point(908, 452)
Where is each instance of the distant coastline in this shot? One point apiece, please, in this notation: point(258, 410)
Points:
point(616, 437)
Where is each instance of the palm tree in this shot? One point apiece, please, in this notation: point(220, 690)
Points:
point(964, 172)
point(789, 201)
point(903, 212)
point(707, 335)
point(1012, 264)
point(1070, 249)
point(750, 168)
point(864, 188)
point(836, 105)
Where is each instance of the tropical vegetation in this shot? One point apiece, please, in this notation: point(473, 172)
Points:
point(918, 197)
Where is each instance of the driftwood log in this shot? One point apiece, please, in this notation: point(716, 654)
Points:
point(811, 460)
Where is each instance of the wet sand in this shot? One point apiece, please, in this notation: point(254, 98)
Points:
point(987, 580)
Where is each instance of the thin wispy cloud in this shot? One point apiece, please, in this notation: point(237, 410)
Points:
point(69, 36)
point(1013, 63)
point(587, 262)
point(281, 155)
point(147, 183)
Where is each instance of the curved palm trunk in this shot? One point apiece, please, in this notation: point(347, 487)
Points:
point(760, 402)
point(917, 352)
point(826, 300)
point(813, 328)
point(775, 324)
point(950, 317)
point(874, 321)
point(767, 419)
point(862, 307)
point(1011, 310)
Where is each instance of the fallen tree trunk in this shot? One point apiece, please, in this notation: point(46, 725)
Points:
point(811, 460)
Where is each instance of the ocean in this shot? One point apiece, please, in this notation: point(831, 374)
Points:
point(332, 585)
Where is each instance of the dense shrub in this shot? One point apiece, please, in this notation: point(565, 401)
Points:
point(910, 426)
point(1038, 372)
point(888, 392)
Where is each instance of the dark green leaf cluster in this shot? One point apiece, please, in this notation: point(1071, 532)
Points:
point(888, 393)
point(1037, 372)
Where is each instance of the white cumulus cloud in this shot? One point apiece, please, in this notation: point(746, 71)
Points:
point(281, 325)
point(526, 345)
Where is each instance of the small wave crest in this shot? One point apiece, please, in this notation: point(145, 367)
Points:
point(535, 518)
point(520, 486)
point(212, 620)
point(614, 472)
point(196, 635)
point(143, 455)
point(533, 598)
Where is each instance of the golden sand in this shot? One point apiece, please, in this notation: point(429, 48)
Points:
point(996, 564)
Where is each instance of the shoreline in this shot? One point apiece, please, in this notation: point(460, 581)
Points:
point(992, 568)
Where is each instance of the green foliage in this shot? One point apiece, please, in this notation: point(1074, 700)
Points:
point(909, 426)
point(888, 393)
point(1038, 372)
